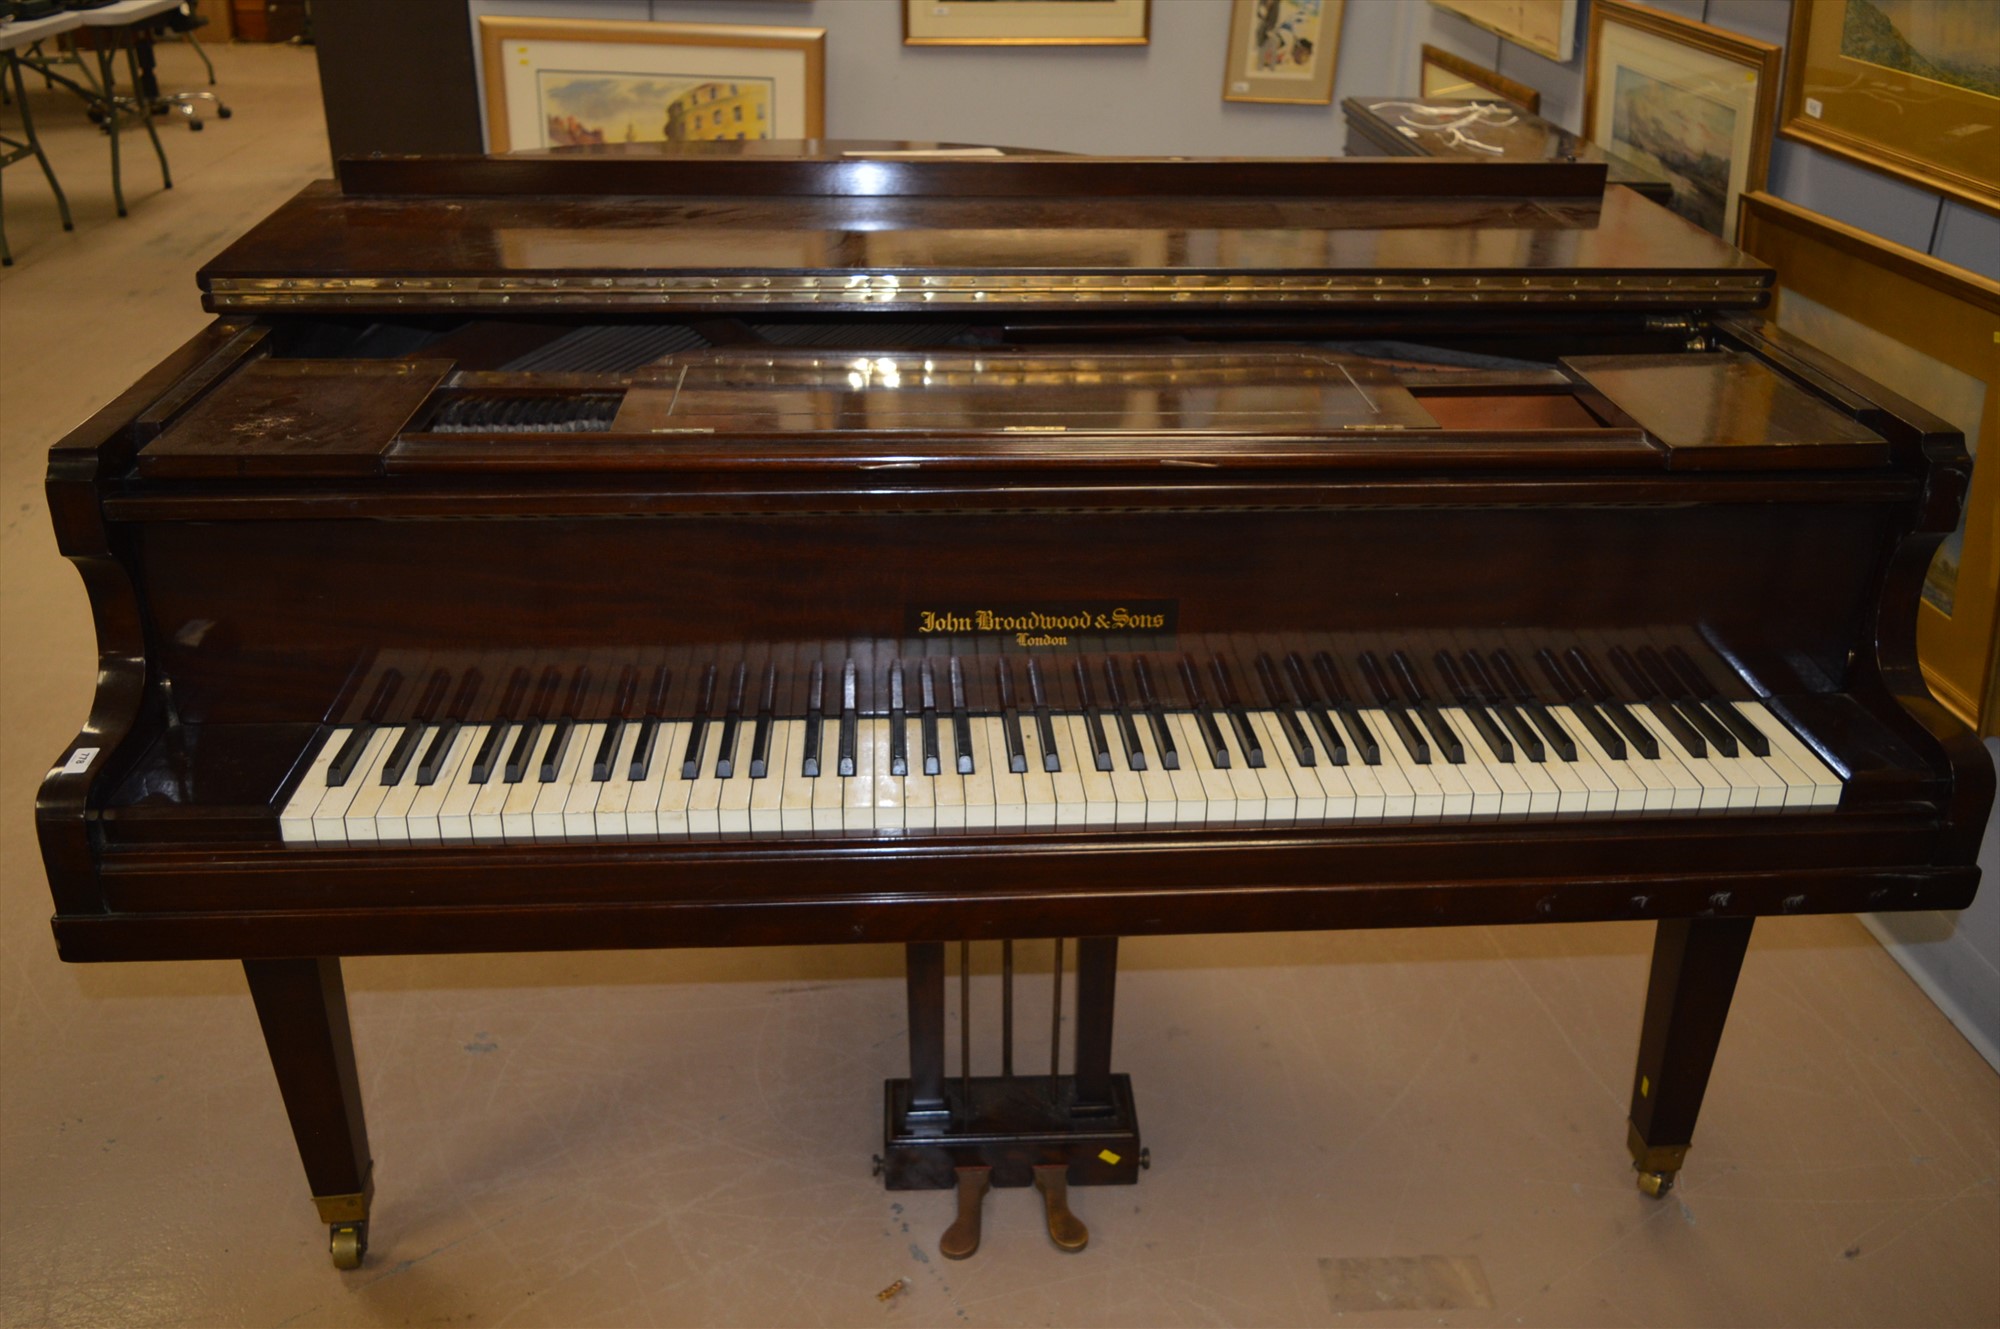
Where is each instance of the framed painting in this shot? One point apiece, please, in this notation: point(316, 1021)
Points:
point(1909, 87)
point(1025, 22)
point(1931, 332)
point(573, 82)
point(1546, 27)
point(1442, 74)
point(1687, 101)
point(1282, 51)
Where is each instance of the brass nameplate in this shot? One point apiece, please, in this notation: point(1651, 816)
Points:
point(1068, 624)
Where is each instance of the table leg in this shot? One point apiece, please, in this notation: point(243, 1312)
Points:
point(107, 84)
point(35, 142)
point(144, 102)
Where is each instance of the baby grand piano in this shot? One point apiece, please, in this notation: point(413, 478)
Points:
point(618, 550)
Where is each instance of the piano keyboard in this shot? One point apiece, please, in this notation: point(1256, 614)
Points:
point(1307, 759)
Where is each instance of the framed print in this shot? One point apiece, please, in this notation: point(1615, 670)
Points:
point(1442, 74)
point(1282, 51)
point(1025, 22)
point(1931, 332)
point(1546, 27)
point(1687, 101)
point(1909, 87)
point(566, 82)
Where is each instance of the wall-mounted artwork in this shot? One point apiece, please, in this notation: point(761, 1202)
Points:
point(1025, 22)
point(1928, 330)
point(1910, 87)
point(1282, 51)
point(1685, 100)
point(554, 83)
point(1443, 74)
point(1546, 27)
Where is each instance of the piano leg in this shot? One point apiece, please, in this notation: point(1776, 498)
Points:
point(302, 1007)
point(1695, 963)
point(924, 966)
point(1096, 989)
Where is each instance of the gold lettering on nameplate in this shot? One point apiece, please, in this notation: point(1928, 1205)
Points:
point(1077, 625)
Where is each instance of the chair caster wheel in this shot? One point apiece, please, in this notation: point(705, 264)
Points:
point(1656, 1184)
point(348, 1242)
point(222, 112)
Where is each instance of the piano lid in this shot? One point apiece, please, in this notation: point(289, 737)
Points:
point(724, 235)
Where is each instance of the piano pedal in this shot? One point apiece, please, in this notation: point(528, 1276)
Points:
point(961, 1239)
point(1066, 1230)
point(348, 1242)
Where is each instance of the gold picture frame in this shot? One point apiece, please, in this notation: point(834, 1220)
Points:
point(1026, 23)
point(569, 82)
point(1931, 332)
point(1859, 86)
point(1677, 96)
point(1283, 51)
point(1440, 73)
point(1546, 27)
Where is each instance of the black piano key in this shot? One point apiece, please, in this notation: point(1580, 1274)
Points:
point(1749, 735)
point(899, 736)
point(349, 756)
point(400, 753)
point(434, 755)
point(1614, 710)
point(1204, 718)
point(961, 723)
point(522, 755)
point(1476, 707)
point(1441, 732)
point(1531, 707)
point(1505, 707)
point(1661, 708)
point(1339, 703)
point(1170, 755)
point(556, 748)
point(606, 757)
point(928, 726)
point(1093, 719)
point(760, 741)
point(698, 726)
point(732, 721)
point(1399, 715)
point(1288, 715)
point(1572, 696)
point(1045, 728)
point(850, 720)
point(1686, 702)
point(1128, 731)
point(490, 748)
point(642, 749)
point(1239, 720)
point(815, 716)
point(1010, 720)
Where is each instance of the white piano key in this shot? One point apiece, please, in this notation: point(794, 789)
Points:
point(919, 790)
point(888, 784)
point(1426, 795)
point(948, 787)
point(768, 794)
point(1127, 790)
point(705, 790)
point(675, 789)
point(1389, 775)
point(1609, 790)
point(1173, 798)
point(1688, 788)
point(1824, 784)
point(1309, 801)
point(369, 791)
point(663, 772)
point(1280, 797)
point(422, 823)
point(579, 809)
point(1074, 804)
point(1217, 793)
point(1505, 792)
point(295, 821)
point(857, 795)
point(392, 814)
point(553, 799)
point(329, 819)
point(1010, 797)
point(795, 803)
point(455, 812)
point(733, 813)
point(1038, 786)
point(613, 800)
point(1469, 790)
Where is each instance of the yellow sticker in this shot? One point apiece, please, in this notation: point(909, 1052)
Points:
point(1645, 1086)
point(1108, 1157)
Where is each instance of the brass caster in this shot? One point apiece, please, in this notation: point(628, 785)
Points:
point(962, 1237)
point(1066, 1230)
point(348, 1242)
point(1656, 1184)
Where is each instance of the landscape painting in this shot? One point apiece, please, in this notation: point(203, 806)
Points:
point(1948, 41)
point(1686, 137)
point(579, 108)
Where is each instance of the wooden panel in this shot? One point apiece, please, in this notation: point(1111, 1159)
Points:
point(295, 417)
